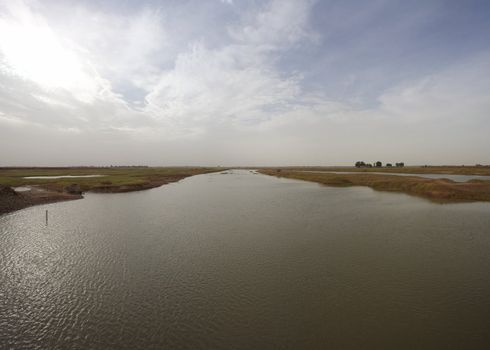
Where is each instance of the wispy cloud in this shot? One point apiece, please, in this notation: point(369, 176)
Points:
point(272, 82)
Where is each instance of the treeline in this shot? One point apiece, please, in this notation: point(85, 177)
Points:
point(378, 164)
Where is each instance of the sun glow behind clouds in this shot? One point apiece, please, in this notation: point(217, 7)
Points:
point(271, 82)
point(31, 50)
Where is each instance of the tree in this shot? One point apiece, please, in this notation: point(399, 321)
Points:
point(400, 165)
point(360, 164)
point(379, 164)
point(389, 165)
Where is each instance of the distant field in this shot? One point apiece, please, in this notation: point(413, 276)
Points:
point(117, 179)
point(452, 170)
point(437, 190)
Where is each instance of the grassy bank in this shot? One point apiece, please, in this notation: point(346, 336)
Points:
point(114, 179)
point(117, 179)
point(437, 190)
point(450, 170)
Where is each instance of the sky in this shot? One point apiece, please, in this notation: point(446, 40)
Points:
point(238, 82)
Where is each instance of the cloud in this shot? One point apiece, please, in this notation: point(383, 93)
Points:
point(160, 84)
point(456, 93)
point(124, 49)
point(212, 86)
point(31, 51)
point(49, 80)
point(435, 119)
point(278, 25)
point(239, 81)
point(70, 74)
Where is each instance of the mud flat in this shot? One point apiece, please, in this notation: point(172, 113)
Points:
point(11, 200)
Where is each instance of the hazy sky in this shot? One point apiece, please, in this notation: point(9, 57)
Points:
point(224, 82)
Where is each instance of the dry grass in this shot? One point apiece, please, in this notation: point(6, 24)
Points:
point(447, 169)
point(437, 190)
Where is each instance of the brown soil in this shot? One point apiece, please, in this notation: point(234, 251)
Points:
point(11, 200)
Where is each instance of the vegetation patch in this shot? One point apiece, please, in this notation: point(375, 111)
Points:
point(115, 179)
point(437, 190)
point(425, 169)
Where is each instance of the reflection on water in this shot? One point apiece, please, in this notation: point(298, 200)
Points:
point(246, 261)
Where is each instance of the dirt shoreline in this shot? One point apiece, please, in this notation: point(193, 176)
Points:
point(11, 201)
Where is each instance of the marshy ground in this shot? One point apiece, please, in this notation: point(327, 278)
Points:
point(114, 179)
point(125, 179)
point(437, 190)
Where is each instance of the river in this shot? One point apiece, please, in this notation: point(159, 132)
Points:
point(246, 261)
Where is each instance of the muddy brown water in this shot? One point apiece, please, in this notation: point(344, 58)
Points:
point(246, 261)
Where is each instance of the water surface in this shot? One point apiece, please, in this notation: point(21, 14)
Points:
point(246, 261)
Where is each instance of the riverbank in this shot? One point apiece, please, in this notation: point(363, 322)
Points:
point(11, 200)
point(426, 169)
point(436, 190)
point(112, 180)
